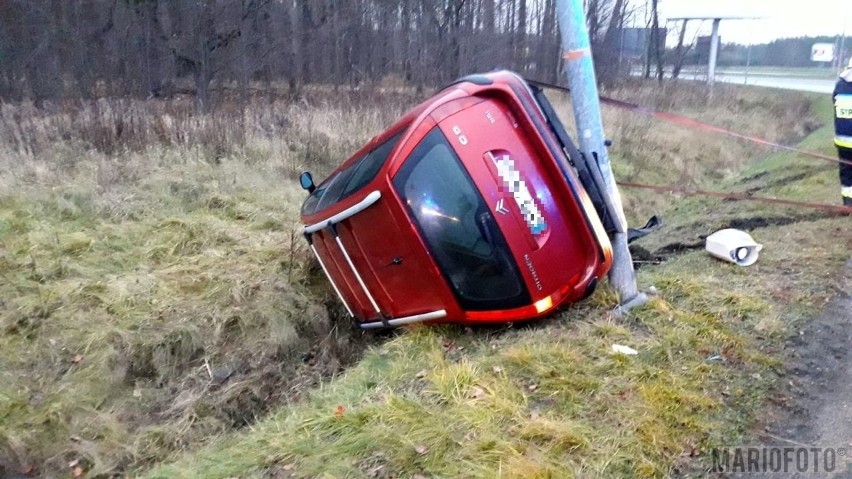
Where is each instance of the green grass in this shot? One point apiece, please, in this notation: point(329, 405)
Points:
point(551, 399)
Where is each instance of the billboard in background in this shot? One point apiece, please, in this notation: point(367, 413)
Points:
point(822, 52)
point(702, 47)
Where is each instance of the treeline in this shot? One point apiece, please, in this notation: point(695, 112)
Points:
point(56, 49)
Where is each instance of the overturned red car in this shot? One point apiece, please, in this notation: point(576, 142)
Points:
point(475, 207)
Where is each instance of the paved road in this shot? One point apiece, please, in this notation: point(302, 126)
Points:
point(816, 85)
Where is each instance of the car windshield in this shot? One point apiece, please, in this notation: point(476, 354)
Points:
point(458, 227)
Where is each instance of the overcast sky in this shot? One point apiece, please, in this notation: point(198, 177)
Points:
point(779, 18)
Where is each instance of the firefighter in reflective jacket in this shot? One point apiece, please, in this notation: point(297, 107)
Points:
point(843, 130)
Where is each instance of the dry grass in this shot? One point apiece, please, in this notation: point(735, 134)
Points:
point(155, 290)
point(647, 150)
point(154, 295)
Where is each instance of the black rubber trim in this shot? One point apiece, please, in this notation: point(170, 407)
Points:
point(590, 288)
point(576, 158)
point(476, 79)
point(556, 153)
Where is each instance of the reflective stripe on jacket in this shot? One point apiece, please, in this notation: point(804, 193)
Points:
point(843, 141)
point(842, 99)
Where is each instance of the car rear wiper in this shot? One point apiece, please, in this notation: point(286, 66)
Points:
point(485, 221)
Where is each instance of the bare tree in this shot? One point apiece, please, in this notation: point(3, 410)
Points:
point(681, 50)
point(55, 49)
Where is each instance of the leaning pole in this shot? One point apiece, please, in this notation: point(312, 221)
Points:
point(580, 69)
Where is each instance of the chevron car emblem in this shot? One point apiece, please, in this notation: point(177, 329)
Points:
point(501, 207)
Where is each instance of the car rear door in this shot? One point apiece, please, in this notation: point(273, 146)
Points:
point(541, 219)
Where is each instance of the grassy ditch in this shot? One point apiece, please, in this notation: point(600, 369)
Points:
point(154, 288)
point(552, 399)
point(155, 297)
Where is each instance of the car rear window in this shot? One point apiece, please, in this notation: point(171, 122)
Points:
point(458, 228)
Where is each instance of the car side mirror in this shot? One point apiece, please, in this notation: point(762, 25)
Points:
point(307, 181)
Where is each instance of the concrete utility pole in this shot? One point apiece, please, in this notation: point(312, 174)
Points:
point(577, 52)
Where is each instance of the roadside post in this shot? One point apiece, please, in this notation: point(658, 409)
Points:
point(577, 53)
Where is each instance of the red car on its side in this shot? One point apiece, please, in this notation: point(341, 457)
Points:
point(474, 207)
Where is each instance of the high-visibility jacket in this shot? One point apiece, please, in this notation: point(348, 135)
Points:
point(843, 110)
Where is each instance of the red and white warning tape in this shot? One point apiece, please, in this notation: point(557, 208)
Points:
point(693, 123)
point(735, 196)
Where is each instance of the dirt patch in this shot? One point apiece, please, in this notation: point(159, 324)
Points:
point(757, 176)
point(780, 181)
point(790, 179)
point(642, 257)
point(786, 180)
point(673, 249)
point(748, 224)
